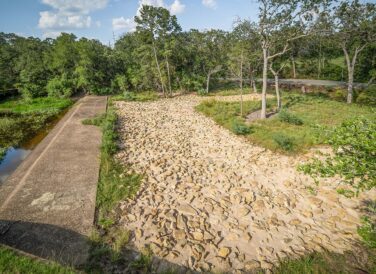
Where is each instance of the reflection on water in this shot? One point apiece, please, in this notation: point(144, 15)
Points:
point(12, 160)
point(14, 156)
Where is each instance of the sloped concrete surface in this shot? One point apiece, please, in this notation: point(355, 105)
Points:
point(47, 205)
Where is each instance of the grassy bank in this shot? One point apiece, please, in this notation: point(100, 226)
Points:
point(21, 120)
point(326, 263)
point(300, 126)
point(11, 262)
point(116, 183)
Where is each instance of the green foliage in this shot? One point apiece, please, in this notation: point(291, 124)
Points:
point(115, 182)
point(285, 142)
point(35, 105)
point(96, 121)
point(11, 262)
point(144, 263)
point(367, 231)
point(368, 96)
point(20, 120)
point(240, 128)
point(290, 118)
point(328, 262)
point(3, 152)
point(60, 87)
point(318, 115)
point(354, 159)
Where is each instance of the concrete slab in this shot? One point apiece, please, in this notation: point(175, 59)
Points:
point(47, 205)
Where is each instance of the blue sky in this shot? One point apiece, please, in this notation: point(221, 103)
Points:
point(100, 18)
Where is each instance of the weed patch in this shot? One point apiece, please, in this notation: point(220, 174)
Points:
point(116, 183)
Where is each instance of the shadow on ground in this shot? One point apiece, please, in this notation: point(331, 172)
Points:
point(70, 248)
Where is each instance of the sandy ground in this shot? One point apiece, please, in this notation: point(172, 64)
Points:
point(212, 201)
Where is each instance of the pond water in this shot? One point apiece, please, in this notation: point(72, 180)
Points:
point(14, 156)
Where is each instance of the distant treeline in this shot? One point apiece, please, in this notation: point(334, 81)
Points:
point(160, 56)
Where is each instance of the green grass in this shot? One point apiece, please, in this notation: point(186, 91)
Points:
point(20, 120)
point(327, 263)
point(34, 105)
point(11, 262)
point(304, 128)
point(116, 183)
point(136, 96)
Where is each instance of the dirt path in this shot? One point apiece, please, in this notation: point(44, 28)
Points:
point(47, 205)
point(212, 201)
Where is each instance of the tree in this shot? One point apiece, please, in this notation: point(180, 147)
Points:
point(212, 47)
point(354, 27)
point(276, 73)
point(292, 16)
point(156, 24)
point(238, 57)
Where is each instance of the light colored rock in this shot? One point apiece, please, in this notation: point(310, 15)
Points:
point(223, 252)
point(205, 188)
point(198, 236)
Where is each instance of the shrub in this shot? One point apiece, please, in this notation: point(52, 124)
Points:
point(29, 91)
point(129, 96)
point(368, 96)
point(240, 128)
point(354, 159)
point(202, 92)
point(60, 87)
point(290, 118)
point(367, 231)
point(285, 142)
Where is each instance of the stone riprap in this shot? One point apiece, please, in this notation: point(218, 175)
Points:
point(211, 200)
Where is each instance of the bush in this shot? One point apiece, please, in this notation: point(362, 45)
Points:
point(60, 87)
point(368, 96)
point(129, 96)
point(202, 92)
point(354, 159)
point(240, 128)
point(285, 142)
point(30, 91)
point(367, 231)
point(338, 94)
point(290, 118)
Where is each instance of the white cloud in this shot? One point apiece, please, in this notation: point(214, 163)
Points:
point(57, 21)
point(68, 15)
point(76, 6)
point(177, 7)
point(123, 24)
point(210, 3)
point(51, 34)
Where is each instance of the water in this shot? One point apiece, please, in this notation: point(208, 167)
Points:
point(14, 156)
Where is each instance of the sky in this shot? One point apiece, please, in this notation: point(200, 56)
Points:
point(108, 19)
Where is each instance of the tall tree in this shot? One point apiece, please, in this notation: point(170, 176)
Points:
point(292, 16)
point(354, 25)
point(157, 24)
